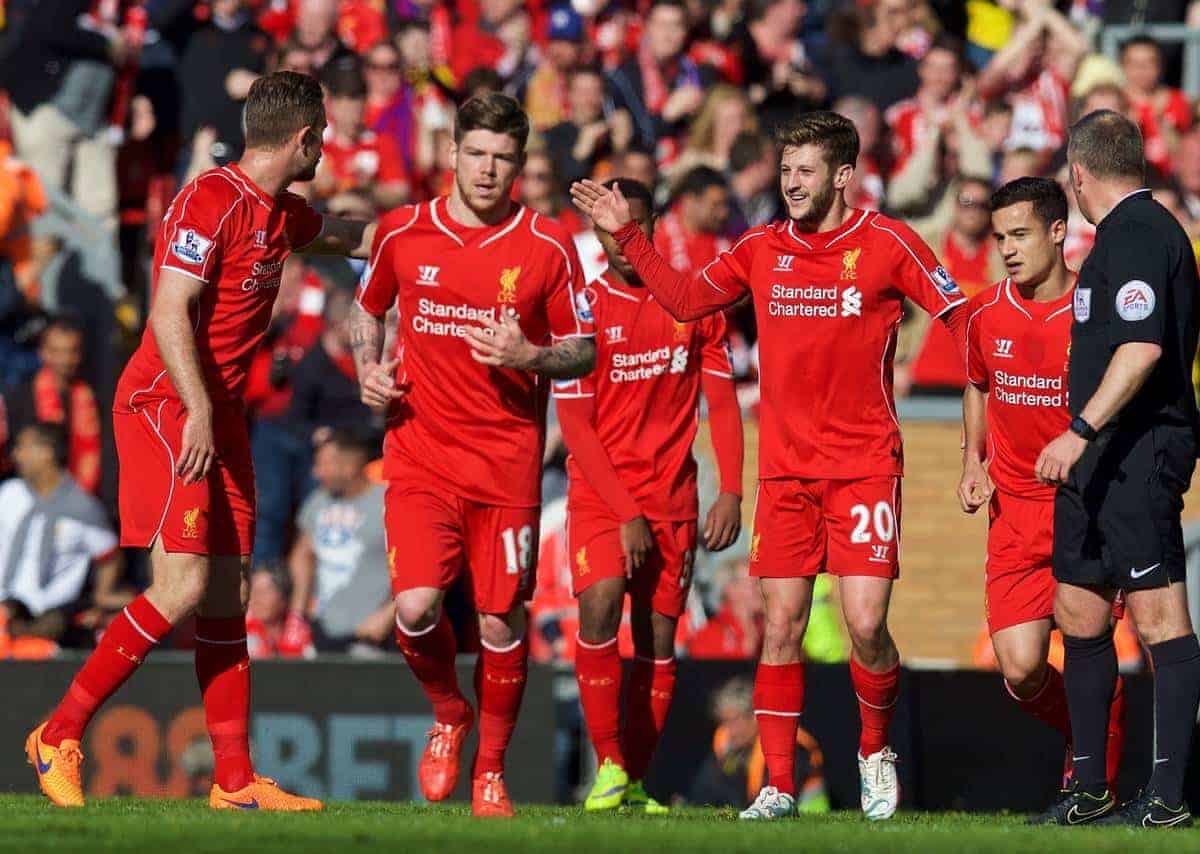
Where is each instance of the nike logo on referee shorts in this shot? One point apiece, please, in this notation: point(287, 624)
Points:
point(1134, 573)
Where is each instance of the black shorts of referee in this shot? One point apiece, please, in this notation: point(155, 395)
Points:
point(1117, 518)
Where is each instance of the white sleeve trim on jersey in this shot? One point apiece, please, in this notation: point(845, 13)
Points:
point(575, 396)
point(188, 273)
point(573, 335)
point(579, 333)
point(937, 289)
point(717, 373)
point(373, 263)
point(944, 309)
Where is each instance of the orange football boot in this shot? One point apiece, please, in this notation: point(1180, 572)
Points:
point(489, 797)
point(57, 768)
point(438, 771)
point(262, 794)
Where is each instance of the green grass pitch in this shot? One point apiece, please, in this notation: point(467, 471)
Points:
point(29, 824)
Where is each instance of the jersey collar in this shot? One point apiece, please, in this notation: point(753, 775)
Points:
point(825, 239)
point(439, 210)
point(1120, 202)
point(250, 185)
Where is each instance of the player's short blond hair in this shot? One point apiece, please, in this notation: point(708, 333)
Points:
point(280, 104)
point(832, 132)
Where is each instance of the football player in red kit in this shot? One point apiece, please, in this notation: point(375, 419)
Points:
point(828, 286)
point(1018, 341)
point(491, 308)
point(632, 503)
point(186, 478)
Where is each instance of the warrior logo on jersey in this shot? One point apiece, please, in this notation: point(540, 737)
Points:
point(850, 264)
point(191, 521)
point(754, 543)
point(681, 331)
point(581, 561)
point(508, 285)
point(427, 275)
point(944, 283)
point(191, 247)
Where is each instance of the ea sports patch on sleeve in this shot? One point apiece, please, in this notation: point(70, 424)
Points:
point(190, 246)
point(1135, 301)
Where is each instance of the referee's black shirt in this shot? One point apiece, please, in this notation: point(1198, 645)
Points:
point(1138, 284)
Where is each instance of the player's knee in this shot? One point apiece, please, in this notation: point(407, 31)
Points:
point(599, 619)
point(783, 629)
point(417, 611)
point(867, 628)
point(499, 631)
point(1023, 673)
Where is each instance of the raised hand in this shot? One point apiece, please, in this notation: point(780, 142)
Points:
point(608, 209)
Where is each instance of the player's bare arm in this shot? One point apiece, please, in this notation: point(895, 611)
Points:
point(975, 487)
point(1131, 365)
point(342, 237)
point(171, 322)
point(376, 379)
point(723, 523)
point(502, 344)
point(686, 298)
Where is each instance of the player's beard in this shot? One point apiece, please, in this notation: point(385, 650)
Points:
point(485, 208)
point(818, 208)
point(309, 172)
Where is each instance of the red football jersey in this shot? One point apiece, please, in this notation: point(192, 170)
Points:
point(646, 387)
point(686, 251)
point(1017, 351)
point(828, 307)
point(470, 428)
point(372, 159)
point(225, 231)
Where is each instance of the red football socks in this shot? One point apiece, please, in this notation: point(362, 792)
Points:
point(499, 684)
point(430, 656)
point(126, 642)
point(778, 700)
point(1049, 704)
point(223, 671)
point(1116, 734)
point(598, 672)
point(648, 702)
point(877, 693)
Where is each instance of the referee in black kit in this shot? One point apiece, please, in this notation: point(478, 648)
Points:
point(1122, 469)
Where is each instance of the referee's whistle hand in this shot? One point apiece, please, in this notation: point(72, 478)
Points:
point(1059, 457)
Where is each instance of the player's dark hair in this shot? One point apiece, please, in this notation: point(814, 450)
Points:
point(353, 440)
point(280, 104)
point(479, 81)
point(832, 132)
point(55, 437)
point(1141, 40)
point(748, 149)
point(492, 111)
point(1108, 145)
point(699, 180)
point(1047, 197)
point(344, 78)
point(634, 190)
point(63, 323)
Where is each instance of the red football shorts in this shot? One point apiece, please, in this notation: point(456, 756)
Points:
point(212, 517)
point(843, 527)
point(433, 536)
point(1020, 577)
point(662, 582)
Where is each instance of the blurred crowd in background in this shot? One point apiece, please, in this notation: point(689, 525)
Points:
point(108, 106)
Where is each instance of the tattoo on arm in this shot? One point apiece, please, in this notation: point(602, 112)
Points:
point(566, 360)
point(366, 337)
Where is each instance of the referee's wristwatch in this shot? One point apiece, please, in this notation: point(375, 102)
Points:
point(1082, 429)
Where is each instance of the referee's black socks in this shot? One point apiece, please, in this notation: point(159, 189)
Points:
point(1089, 673)
point(1176, 697)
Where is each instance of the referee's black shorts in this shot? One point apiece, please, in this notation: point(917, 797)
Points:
point(1117, 519)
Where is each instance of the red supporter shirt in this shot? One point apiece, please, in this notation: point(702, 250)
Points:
point(939, 361)
point(1178, 114)
point(646, 387)
point(466, 427)
point(225, 231)
point(372, 159)
point(686, 251)
point(1017, 352)
point(828, 308)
